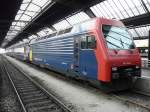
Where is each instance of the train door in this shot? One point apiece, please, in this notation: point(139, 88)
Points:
point(87, 58)
point(25, 54)
point(76, 54)
point(30, 54)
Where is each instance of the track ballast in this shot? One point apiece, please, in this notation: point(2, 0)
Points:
point(32, 97)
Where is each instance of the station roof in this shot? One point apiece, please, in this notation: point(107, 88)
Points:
point(8, 10)
point(37, 18)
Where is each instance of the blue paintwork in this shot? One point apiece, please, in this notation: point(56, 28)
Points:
point(88, 64)
point(58, 52)
point(19, 56)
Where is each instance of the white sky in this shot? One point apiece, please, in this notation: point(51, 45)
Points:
point(2, 50)
point(141, 43)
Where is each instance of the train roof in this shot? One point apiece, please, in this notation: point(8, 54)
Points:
point(76, 29)
point(79, 28)
point(85, 26)
point(20, 44)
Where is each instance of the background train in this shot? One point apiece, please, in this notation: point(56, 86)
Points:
point(98, 50)
point(143, 52)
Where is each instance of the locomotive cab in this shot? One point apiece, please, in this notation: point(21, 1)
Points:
point(121, 58)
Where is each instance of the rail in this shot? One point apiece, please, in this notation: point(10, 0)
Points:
point(23, 109)
point(130, 99)
point(133, 97)
point(40, 100)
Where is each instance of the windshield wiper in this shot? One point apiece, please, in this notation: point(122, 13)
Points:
point(113, 44)
point(118, 34)
point(115, 38)
point(121, 42)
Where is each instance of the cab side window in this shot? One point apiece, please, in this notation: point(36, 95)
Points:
point(88, 42)
point(91, 42)
point(83, 42)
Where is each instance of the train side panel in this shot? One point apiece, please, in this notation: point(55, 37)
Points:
point(56, 53)
point(88, 64)
point(84, 56)
point(19, 53)
point(64, 55)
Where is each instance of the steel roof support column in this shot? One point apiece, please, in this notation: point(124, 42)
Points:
point(89, 13)
point(52, 28)
point(149, 48)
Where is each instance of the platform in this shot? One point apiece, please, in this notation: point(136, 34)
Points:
point(143, 84)
point(146, 73)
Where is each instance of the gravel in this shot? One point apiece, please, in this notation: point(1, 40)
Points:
point(8, 100)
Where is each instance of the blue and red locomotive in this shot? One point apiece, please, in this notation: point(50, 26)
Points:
point(99, 49)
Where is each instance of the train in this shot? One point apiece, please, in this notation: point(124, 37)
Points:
point(98, 50)
point(143, 51)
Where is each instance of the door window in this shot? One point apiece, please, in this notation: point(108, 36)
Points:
point(83, 42)
point(88, 42)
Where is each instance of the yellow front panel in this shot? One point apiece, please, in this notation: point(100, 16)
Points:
point(30, 55)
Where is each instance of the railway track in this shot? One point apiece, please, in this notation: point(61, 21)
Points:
point(134, 97)
point(131, 98)
point(32, 97)
point(138, 98)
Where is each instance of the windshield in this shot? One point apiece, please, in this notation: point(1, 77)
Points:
point(117, 37)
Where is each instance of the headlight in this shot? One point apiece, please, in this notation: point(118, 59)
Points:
point(137, 67)
point(114, 68)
